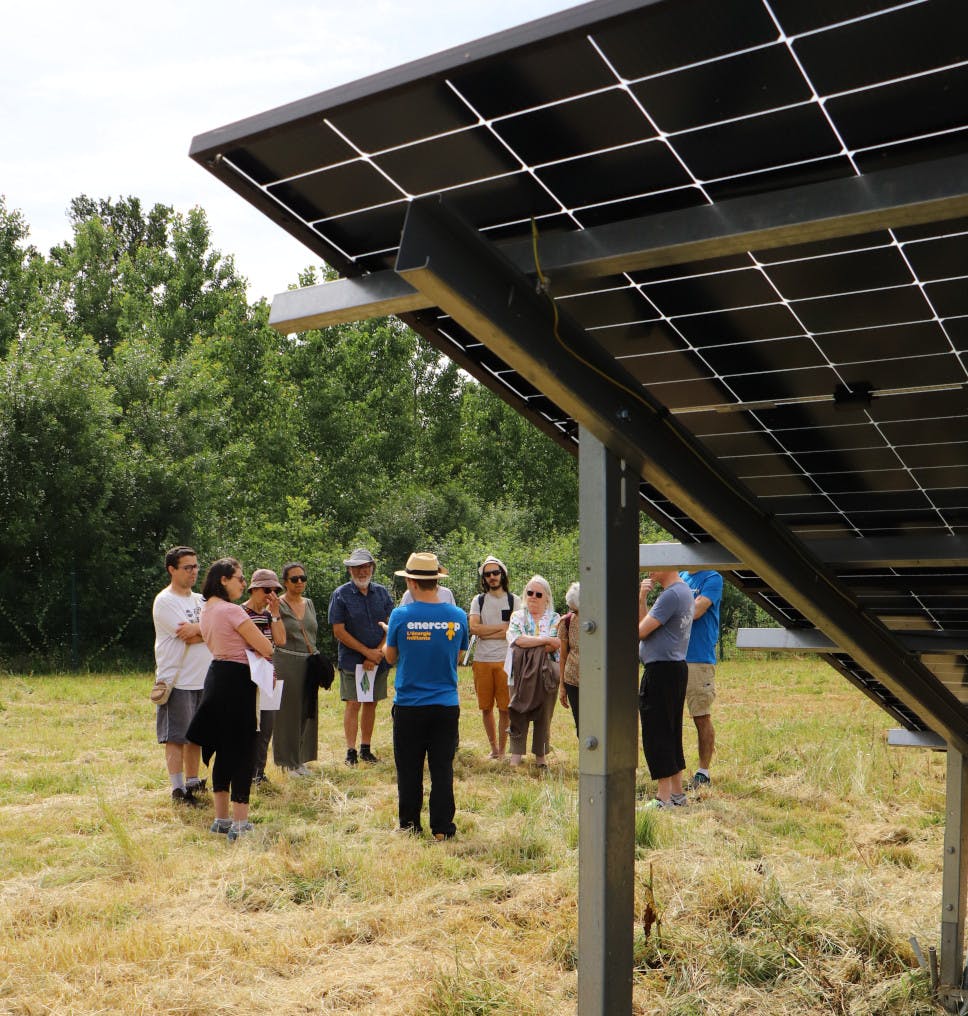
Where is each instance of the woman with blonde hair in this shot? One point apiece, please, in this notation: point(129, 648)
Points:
point(533, 647)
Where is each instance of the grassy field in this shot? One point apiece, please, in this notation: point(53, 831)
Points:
point(791, 887)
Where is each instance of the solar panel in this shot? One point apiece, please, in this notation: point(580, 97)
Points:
point(826, 374)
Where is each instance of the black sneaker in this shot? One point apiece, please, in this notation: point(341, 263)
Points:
point(186, 797)
point(368, 756)
point(699, 781)
point(195, 786)
point(351, 757)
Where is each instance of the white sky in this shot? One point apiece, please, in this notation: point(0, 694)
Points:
point(103, 98)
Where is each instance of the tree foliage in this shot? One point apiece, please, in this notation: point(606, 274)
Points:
point(20, 267)
point(145, 402)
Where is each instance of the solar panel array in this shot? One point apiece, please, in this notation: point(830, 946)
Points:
point(620, 110)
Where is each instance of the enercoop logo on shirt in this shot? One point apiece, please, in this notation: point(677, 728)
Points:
point(419, 630)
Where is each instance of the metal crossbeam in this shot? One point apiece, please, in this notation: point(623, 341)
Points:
point(859, 552)
point(895, 197)
point(898, 737)
point(458, 271)
point(809, 640)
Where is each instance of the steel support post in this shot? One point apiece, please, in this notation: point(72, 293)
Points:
point(954, 880)
point(608, 502)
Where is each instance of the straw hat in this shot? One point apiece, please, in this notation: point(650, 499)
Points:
point(422, 565)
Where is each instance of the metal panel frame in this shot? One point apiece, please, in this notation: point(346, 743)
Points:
point(461, 273)
point(896, 197)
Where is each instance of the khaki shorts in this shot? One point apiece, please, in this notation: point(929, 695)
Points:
point(347, 686)
point(491, 685)
point(701, 689)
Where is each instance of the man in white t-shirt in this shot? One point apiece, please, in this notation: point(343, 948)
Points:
point(488, 615)
point(444, 595)
point(181, 660)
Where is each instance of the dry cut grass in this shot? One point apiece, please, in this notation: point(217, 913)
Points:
point(791, 887)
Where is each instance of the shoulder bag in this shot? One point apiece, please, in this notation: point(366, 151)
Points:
point(161, 690)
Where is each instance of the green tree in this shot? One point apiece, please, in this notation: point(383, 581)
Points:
point(128, 272)
point(20, 270)
point(378, 408)
point(507, 459)
point(58, 467)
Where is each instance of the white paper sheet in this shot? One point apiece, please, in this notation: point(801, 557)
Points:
point(364, 683)
point(262, 672)
point(271, 700)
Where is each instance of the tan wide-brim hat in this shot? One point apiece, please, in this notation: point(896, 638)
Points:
point(422, 565)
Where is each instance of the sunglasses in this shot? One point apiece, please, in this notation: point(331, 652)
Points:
point(491, 574)
point(534, 592)
point(188, 567)
point(296, 578)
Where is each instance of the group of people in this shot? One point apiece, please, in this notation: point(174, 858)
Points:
point(526, 660)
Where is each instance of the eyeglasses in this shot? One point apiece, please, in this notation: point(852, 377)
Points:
point(188, 567)
point(491, 574)
point(295, 578)
point(534, 592)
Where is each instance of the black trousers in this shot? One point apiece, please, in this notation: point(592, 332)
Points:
point(224, 726)
point(571, 690)
point(419, 733)
point(662, 695)
point(267, 720)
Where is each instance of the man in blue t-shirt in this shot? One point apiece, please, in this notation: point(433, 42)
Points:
point(425, 639)
point(663, 637)
point(358, 612)
point(707, 591)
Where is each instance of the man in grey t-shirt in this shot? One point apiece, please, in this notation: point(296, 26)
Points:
point(664, 637)
point(488, 614)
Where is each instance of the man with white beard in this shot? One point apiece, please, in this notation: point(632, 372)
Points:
point(356, 610)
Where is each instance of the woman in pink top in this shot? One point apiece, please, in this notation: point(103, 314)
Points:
point(225, 722)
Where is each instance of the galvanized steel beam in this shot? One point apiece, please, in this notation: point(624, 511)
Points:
point(809, 640)
point(850, 552)
point(954, 880)
point(608, 734)
point(898, 737)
